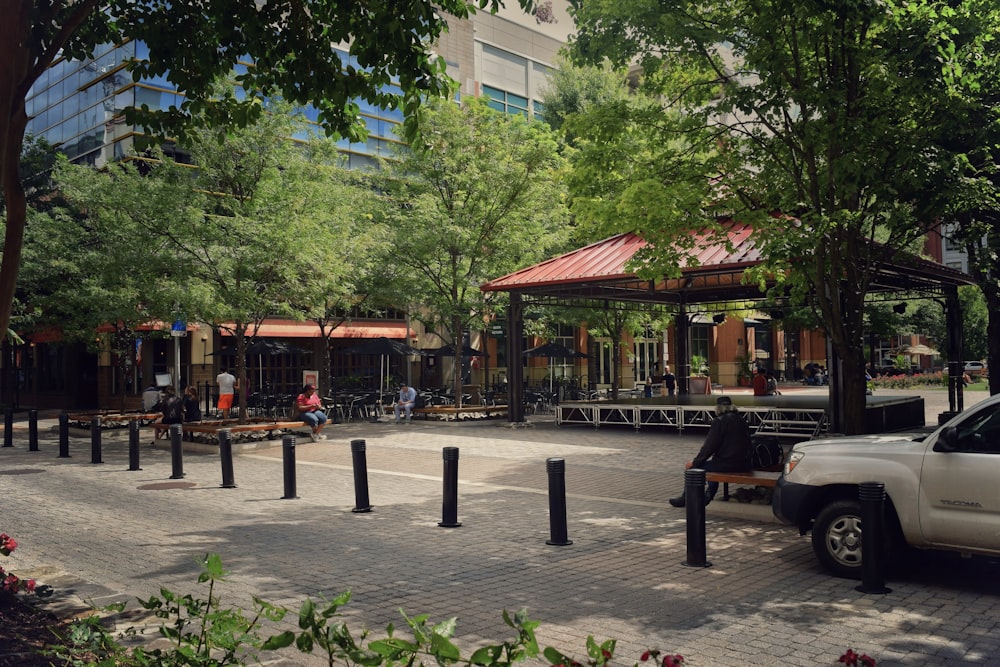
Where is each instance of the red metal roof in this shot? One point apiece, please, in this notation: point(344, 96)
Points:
point(606, 260)
point(713, 273)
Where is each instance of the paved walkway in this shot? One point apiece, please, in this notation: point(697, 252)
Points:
point(102, 532)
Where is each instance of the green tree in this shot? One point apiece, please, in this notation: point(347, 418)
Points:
point(825, 113)
point(85, 274)
point(235, 240)
point(194, 43)
point(477, 195)
point(341, 270)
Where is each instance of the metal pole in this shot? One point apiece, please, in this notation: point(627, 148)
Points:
point(288, 458)
point(558, 533)
point(8, 427)
point(176, 451)
point(226, 453)
point(63, 435)
point(133, 445)
point(95, 440)
point(32, 430)
point(449, 508)
point(358, 457)
point(872, 497)
point(694, 492)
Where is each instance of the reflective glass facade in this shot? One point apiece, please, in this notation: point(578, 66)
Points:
point(78, 107)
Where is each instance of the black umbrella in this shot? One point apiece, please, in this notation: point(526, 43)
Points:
point(554, 351)
point(383, 347)
point(268, 346)
point(449, 351)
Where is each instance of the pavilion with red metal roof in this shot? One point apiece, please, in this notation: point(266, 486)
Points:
point(599, 276)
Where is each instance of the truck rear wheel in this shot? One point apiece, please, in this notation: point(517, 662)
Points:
point(836, 538)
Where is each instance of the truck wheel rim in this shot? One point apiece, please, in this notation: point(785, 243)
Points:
point(843, 540)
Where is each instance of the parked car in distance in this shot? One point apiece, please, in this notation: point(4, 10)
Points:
point(975, 368)
point(941, 489)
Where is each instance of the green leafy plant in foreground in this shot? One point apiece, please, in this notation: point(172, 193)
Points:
point(204, 633)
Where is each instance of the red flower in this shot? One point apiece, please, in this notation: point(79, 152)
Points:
point(673, 660)
point(645, 656)
point(867, 661)
point(849, 658)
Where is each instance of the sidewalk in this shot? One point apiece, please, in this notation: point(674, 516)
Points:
point(104, 532)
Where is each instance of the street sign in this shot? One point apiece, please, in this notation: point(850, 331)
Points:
point(179, 329)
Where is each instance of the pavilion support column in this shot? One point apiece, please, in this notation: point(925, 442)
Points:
point(515, 357)
point(955, 345)
point(683, 351)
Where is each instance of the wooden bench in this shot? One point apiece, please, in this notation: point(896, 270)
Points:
point(213, 428)
point(763, 478)
point(447, 411)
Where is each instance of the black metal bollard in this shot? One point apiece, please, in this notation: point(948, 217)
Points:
point(95, 440)
point(558, 533)
point(63, 435)
point(449, 508)
point(288, 458)
point(133, 445)
point(694, 492)
point(32, 430)
point(8, 427)
point(360, 461)
point(872, 497)
point(176, 451)
point(226, 453)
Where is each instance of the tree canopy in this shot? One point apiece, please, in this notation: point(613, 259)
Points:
point(477, 195)
point(192, 43)
point(820, 124)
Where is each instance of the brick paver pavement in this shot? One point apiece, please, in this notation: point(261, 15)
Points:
point(105, 533)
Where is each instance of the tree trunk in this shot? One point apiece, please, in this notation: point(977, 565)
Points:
point(241, 370)
point(17, 207)
point(456, 337)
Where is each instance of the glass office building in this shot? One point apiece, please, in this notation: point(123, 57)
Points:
point(77, 106)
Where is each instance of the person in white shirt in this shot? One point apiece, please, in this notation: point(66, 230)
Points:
point(227, 390)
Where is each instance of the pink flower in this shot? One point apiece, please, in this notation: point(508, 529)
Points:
point(673, 660)
point(30, 587)
point(645, 656)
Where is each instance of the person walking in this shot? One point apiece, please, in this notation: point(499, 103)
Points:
point(669, 381)
point(726, 448)
point(227, 389)
point(407, 399)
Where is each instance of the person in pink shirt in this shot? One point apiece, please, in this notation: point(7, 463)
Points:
point(310, 411)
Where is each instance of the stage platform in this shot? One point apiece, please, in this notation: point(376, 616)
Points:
point(788, 417)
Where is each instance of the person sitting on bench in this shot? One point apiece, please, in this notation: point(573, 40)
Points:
point(172, 407)
point(726, 448)
point(407, 399)
point(308, 405)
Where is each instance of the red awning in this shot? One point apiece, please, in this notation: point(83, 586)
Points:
point(295, 329)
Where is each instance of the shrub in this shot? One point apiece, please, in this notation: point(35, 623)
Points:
point(202, 632)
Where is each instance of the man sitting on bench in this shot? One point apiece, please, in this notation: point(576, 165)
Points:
point(407, 399)
point(726, 448)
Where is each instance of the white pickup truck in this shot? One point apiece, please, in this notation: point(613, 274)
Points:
point(943, 489)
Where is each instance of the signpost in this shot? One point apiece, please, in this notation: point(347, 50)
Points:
point(178, 330)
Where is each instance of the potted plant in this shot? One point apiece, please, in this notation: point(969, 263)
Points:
point(744, 370)
point(699, 380)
